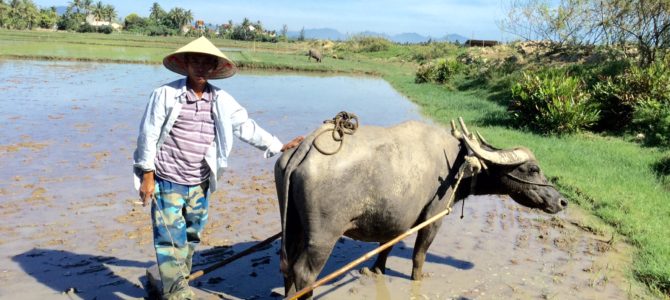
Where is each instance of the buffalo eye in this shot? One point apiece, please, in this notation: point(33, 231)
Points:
point(534, 169)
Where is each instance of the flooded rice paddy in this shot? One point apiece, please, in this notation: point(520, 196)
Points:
point(70, 228)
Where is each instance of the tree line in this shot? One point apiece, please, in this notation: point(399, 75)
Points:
point(25, 15)
point(645, 24)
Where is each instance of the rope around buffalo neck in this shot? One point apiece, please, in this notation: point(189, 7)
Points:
point(343, 123)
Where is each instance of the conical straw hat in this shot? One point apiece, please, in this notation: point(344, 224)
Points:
point(175, 62)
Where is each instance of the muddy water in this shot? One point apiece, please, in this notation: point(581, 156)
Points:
point(70, 229)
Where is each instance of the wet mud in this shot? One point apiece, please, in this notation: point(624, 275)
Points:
point(72, 229)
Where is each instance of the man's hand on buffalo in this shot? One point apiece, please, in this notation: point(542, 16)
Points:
point(293, 143)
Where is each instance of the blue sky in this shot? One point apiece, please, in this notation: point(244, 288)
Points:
point(474, 18)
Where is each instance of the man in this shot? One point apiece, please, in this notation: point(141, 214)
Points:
point(186, 135)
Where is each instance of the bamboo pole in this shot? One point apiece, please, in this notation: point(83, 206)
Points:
point(368, 255)
point(383, 247)
point(228, 260)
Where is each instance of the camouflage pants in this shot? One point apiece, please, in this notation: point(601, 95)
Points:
point(179, 216)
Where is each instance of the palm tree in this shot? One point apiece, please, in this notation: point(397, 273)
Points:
point(86, 5)
point(76, 4)
point(180, 17)
point(157, 13)
point(98, 11)
point(109, 13)
point(4, 14)
point(30, 13)
point(16, 21)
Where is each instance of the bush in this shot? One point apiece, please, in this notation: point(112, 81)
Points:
point(440, 71)
point(86, 28)
point(653, 118)
point(365, 44)
point(424, 53)
point(619, 96)
point(159, 30)
point(552, 102)
point(106, 29)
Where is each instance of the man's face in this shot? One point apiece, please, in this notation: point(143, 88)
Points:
point(200, 66)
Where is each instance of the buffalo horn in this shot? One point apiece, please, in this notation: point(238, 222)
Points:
point(500, 157)
point(484, 142)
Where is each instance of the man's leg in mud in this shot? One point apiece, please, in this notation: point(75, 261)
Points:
point(196, 215)
point(169, 228)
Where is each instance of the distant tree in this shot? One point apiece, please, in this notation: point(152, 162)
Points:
point(301, 36)
point(4, 14)
point(48, 18)
point(157, 14)
point(133, 22)
point(109, 13)
point(178, 17)
point(76, 6)
point(98, 11)
point(243, 31)
point(284, 33)
point(86, 6)
point(644, 23)
point(70, 20)
point(21, 14)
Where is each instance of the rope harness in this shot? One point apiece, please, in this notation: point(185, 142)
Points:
point(343, 123)
point(527, 181)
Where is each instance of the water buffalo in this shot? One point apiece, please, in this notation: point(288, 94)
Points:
point(313, 53)
point(384, 181)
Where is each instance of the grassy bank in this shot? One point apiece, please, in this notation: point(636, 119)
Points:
point(611, 177)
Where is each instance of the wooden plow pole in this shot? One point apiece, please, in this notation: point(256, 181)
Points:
point(228, 260)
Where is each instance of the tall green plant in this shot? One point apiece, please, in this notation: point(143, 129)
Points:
point(552, 102)
point(653, 118)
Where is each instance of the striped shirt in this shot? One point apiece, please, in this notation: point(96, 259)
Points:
point(181, 158)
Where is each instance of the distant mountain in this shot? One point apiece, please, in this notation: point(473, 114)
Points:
point(319, 34)
point(409, 38)
point(403, 38)
point(454, 38)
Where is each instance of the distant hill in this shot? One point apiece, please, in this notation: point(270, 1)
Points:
point(454, 38)
point(403, 38)
point(319, 34)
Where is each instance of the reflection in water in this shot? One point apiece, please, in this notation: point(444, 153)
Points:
point(380, 286)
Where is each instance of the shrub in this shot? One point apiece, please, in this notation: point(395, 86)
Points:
point(425, 73)
point(440, 71)
point(424, 53)
point(106, 29)
point(653, 118)
point(618, 96)
point(552, 102)
point(159, 30)
point(365, 44)
point(86, 28)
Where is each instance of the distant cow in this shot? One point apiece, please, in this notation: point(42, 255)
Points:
point(384, 181)
point(313, 53)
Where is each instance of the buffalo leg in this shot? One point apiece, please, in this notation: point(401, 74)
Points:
point(423, 240)
point(310, 262)
point(295, 241)
point(380, 264)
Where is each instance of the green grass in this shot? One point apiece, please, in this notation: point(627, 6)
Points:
point(611, 177)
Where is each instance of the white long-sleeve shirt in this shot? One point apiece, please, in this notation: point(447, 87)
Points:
point(230, 119)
